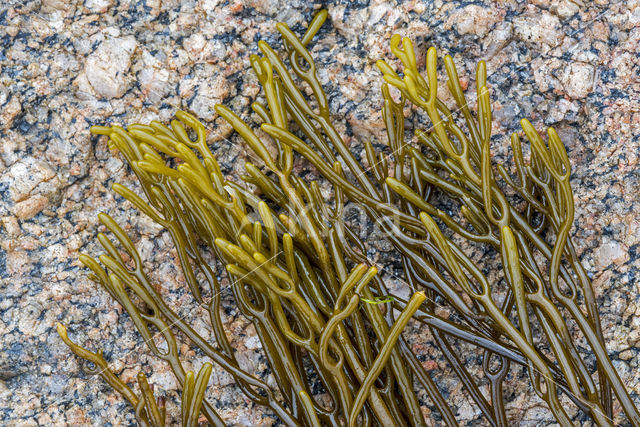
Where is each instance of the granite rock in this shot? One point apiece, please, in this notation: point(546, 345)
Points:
point(66, 65)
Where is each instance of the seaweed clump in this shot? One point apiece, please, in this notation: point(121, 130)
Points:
point(329, 327)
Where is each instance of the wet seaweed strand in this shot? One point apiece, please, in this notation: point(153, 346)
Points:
point(302, 277)
point(458, 165)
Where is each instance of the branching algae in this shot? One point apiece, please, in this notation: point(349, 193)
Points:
point(324, 316)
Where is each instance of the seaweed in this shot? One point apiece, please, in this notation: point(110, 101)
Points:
point(303, 302)
point(301, 276)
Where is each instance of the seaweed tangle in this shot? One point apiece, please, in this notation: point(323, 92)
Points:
point(323, 314)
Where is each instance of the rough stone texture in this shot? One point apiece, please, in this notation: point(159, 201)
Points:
point(107, 68)
point(65, 65)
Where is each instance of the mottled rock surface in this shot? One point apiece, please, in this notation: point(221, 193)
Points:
point(65, 65)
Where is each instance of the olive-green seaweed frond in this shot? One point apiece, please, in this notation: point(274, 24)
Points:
point(331, 330)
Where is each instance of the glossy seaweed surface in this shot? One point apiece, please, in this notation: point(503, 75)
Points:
point(329, 327)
